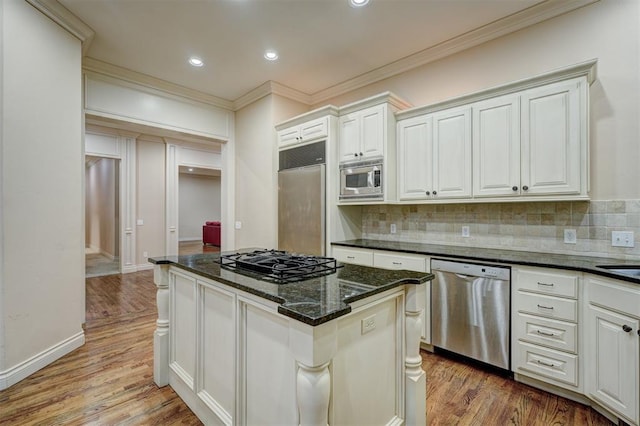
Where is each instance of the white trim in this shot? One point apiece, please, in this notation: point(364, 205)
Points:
point(94, 66)
point(26, 368)
point(525, 18)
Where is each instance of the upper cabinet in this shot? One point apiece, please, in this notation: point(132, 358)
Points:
point(306, 132)
point(524, 141)
point(362, 134)
point(310, 127)
point(434, 155)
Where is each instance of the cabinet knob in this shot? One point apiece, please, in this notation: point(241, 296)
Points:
point(361, 154)
point(515, 188)
point(525, 188)
point(355, 155)
point(626, 328)
point(428, 193)
point(435, 193)
point(639, 332)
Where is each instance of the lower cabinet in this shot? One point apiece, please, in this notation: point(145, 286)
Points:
point(392, 260)
point(612, 341)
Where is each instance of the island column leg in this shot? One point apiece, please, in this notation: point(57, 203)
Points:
point(313, 348)
point(415, 377)
point(161, 334)
point(313, 390)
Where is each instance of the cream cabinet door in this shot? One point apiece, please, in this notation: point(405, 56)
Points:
point(496, 147)
point(452, 153)
point(314, 129)
point(349, 141)
point(415, 158)
point(553, 138)
point(614, 354)
point(289, 136)
point(372, 131)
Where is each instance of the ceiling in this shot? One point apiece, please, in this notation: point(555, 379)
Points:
point(322, 44)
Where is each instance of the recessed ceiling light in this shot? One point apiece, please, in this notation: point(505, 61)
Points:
point(271, 55)
point(358, 3)
point(195, 61)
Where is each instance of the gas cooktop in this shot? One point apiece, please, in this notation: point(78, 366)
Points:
point(279, 266)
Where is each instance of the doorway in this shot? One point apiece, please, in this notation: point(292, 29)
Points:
point(199, 202)
point(102, 216)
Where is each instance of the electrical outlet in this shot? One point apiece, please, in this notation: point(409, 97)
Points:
point(238, 225)
point(465, 231)
point(393, 228)
point(622, 239)
point(570, 236)
point(368, 324)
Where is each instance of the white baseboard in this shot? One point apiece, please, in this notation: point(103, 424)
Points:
point(190, 239)
point(145, 266)
point(26, 368)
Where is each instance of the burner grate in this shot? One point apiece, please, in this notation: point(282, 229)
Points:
point(279, 266)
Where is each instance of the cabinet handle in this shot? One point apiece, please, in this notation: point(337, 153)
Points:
point(434, 192)
point(525, 188)
point(351, 257)
point(397, 263)
point(545, 307)
point(428, 193)
point(545, 284)
point(361, 154)
point(544, 333)
point(639, 332)
point(544, 363)
point(355, 155)
point(515, 188)
point(626, 328)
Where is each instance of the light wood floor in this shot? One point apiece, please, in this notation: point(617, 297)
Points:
point(195, 247)
point(109, 381)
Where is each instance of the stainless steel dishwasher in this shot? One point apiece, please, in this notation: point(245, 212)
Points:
point(470, 310)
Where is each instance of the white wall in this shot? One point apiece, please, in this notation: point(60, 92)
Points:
point(101, 214)
point(199, 200)
point(608, 30)
point(150, 194)
point(256, 177)
point(42, 165)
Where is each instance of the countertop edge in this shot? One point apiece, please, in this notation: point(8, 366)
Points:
point(380, 245)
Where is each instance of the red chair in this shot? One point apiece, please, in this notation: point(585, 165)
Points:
point(211, 233)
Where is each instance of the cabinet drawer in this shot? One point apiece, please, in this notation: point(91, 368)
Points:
point(621, 296)
point(547, 282)
point(399, 261)
point(547, 306)
point(558, 366)
point(356, 256)
point(556, 334)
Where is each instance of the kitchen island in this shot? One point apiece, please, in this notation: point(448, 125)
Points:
point(341, 348)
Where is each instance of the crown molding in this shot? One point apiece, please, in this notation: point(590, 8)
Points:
point(517, 21)
point(271, 88)
point(67, 20)
point(104, 68)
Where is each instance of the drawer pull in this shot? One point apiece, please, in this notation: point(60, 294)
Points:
point(544, 333)
point(397, 263)
point(546, 364)
point(351, 257)
point(626, 328)
point(545, 284)
point(545, 307)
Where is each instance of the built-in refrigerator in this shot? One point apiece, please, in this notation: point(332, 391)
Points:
point(301, 199)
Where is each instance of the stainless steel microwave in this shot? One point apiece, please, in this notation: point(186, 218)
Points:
point(362, 180)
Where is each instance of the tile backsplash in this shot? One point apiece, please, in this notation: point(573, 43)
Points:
point(528, 226)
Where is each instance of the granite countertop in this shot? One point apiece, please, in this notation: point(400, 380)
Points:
point(313, 301)
point(546, 260)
